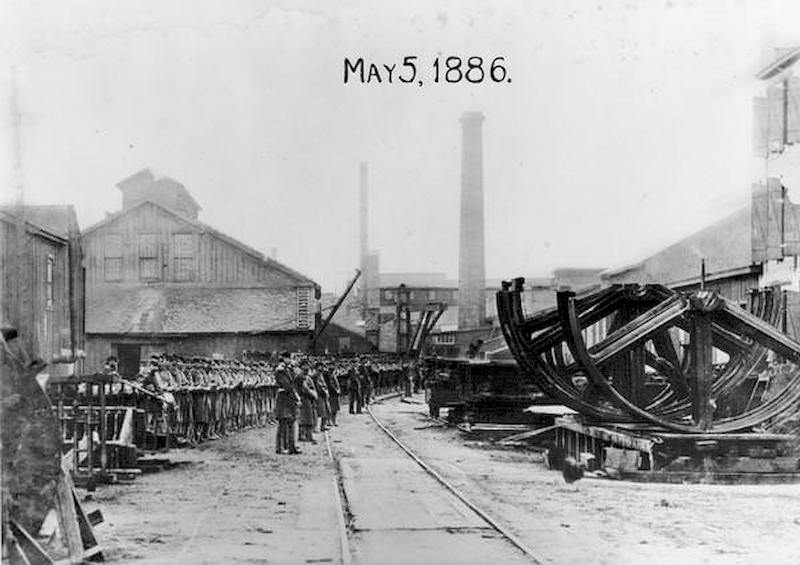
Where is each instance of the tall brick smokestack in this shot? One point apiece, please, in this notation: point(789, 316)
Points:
point(471, 268)
point(363, 236)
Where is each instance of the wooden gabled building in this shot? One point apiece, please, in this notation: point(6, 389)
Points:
point(160, 280)
point(41, 284)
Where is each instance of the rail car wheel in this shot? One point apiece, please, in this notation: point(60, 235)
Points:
point(456, 414)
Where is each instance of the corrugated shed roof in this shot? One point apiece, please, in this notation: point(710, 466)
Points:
point(175, 310)
point(53, 219)
point(725, 246)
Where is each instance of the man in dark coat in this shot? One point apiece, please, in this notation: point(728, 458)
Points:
point(323, 402)
point(334, 390)
point(367, 384)
point(286, 402)
point(411, 376)
point(308, 401)
point(354, 390)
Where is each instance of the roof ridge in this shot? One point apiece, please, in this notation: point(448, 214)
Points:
point(268, 261)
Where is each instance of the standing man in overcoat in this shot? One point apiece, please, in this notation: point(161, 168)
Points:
point(334, 390)
point(286, 402)
point(354, 390)
point(323, 402)
point(308, 400)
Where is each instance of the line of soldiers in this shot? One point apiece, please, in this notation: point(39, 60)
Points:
point(211, 398)
point(310, 388)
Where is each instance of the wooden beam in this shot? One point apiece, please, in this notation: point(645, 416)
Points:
point(68, 517)
point(636, 331)
point(703, 371)
point(24, 547)
point(759, 330)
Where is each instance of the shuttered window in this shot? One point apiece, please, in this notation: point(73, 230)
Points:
point(304, 313)
point(112, 257)
point(48, 280)
point(148, 257)
point(183, 256)
point(777, 117)
point(444, 339)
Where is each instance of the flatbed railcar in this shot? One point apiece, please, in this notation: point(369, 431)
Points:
point(477, 390)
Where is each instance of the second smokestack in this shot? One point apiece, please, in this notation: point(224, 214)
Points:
point(471, 268)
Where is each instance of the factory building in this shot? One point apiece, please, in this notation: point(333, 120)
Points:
point(416, 292)
point(160, 280)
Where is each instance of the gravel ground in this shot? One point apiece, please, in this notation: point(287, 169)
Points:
point(231, 500)
point(604, 521)
point(235, 501)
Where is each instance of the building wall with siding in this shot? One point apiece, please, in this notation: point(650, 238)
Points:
point(734, 288)
point(216, 261)
point(49, 322)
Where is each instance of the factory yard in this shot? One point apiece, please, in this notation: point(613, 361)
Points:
point(546, 218)
point(235, 501)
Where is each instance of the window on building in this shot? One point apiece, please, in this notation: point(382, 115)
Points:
point(148, 257)
point(388, 294)
point(304, 314)
point(48, 280)
point(183, 256)
point(444, 339)
point(112, 258)
point(431, 295)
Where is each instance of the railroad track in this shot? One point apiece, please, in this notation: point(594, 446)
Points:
point(344, 543)
point(506, 534)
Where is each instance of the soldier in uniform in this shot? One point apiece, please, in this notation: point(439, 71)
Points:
point(409, 380)
point(354, 390)
point(286, 404)
point(367, 383)
point(308, 399)
point(323, 403)
point(334, 390)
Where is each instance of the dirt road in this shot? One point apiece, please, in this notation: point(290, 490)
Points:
point(234, 501)
point(229, 501)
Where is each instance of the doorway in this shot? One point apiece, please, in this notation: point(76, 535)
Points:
point(130, 355)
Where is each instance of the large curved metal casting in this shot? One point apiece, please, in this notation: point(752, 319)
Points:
point(597, 354)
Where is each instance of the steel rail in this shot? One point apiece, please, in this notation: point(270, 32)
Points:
point(344, 541)
point(519, 544)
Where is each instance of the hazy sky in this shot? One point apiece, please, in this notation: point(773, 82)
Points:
point(627, 125)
